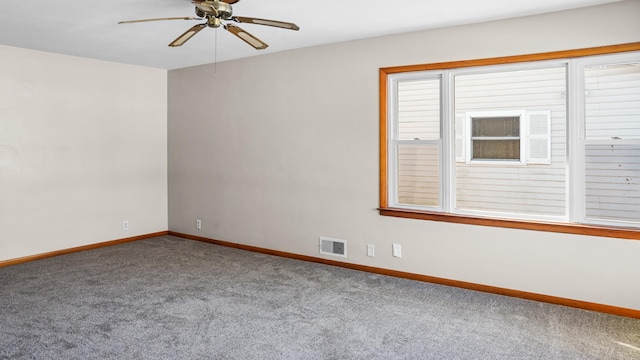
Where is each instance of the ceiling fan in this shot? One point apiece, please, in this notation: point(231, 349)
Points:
point(220, 13)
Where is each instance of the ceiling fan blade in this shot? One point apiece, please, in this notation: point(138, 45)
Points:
point(280, 24)
point(160, 19)
point(246, 37)
point(187, 35)
point(206, 7)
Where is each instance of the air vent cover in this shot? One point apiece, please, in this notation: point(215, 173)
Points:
point(334, 247)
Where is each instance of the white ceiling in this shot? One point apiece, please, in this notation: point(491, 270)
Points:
point(89, 28)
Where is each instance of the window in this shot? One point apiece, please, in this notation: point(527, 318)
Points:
point(417, 146)
point(612, 141)
point(553, 141)
point(494, 137)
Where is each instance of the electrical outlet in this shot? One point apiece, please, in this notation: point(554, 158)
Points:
point(198, 224)
point(370, 250)
point(125, 225)
point(397, 250)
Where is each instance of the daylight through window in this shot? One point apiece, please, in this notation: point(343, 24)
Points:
point(555, 140)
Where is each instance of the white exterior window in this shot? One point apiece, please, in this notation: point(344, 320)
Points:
point(495, 137)
point(508, 137)
point(551, 140)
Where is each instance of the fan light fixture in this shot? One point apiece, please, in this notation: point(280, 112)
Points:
point(215, 12)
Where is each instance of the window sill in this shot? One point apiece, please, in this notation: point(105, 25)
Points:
point(580, 229)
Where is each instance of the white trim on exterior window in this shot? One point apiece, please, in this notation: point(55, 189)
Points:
point(538, 139)
point(461, 138)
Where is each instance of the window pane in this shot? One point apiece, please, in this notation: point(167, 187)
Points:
point(612, 102)
point(612, 161)
point(419, 110)
point(496, 149)
point(419, 175)
point(613, 182)
point(517, 190)
point(497, 126)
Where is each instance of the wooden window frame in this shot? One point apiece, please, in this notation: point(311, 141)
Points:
point(570, 228)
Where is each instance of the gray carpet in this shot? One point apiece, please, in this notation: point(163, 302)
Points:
point(169, 298)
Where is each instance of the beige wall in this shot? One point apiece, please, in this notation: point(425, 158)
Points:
point(277, 150)
point(83, 146)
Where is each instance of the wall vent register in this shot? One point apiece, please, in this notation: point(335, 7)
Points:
point(333, 247)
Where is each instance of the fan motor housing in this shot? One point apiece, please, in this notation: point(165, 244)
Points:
point(213, 22)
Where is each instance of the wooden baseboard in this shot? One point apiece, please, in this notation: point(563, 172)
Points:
point(607, 309)
point(25, 259)
point(585, 305)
